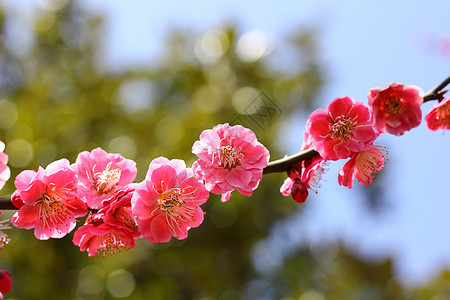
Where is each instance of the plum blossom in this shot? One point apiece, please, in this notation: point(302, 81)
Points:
point(303, 176)
point(167, 203)
point(363, 165)
point(343, 127)
point(47, 200)
point(230, 157)
point(293, 187)
point(5, 282)
point(5, 173)
point(439, 116)
point(101, 175)
point(113, 228)
point(396, 108)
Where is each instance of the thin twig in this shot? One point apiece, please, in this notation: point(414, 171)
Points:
point(437, 93)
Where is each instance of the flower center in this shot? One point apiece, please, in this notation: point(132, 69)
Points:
point(55, 208)
point(106, 180)
point(229, 157)
point(342, 128)
point(394, 106)
point(170, 200)
point(176, 204)
point(126, 218)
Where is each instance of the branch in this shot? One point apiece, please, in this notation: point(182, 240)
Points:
point(277, 166)
point(6, 204)
point(282, 165)
point(437, 93)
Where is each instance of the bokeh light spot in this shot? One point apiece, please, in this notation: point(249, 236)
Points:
point(243, 98)
point(8, 113)
point(121, 283)
point(253, 45)
point(211, 46)
point(91, 280)
point(20, 153)
point(123, 145)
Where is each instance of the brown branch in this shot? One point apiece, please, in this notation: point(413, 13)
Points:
point(6, 204)
point(437, 93)
point(282, 165)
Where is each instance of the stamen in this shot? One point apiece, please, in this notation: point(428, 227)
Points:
point(370, 161)
point(394, 106)
point(126, 218)
point(316, 176)
point(229, 157)
point(110, 243)
point(106, 180)
point(170, 200)
point(342, 128)
point(55, 209)
point(172, 203)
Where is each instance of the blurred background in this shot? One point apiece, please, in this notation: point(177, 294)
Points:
point(145, 78)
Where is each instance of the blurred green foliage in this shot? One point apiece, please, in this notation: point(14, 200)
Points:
point(57, 99)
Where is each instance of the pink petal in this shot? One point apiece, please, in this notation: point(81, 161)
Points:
point(164, 178)
point(340, 107)
point(225, 196)
point(24, 179)
point(238, 177)
point(160, 231)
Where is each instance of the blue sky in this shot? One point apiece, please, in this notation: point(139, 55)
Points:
point(363, 44)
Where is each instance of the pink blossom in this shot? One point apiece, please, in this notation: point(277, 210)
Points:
point(396, 108)
point(439, 116)
point(303, 176)
point(118, 213)
point(113, 228)
point(47, 200)
point(5, 173)
point(363, 165)
point(312, 171)
point(296, 189)
point(167, 203)
point(230, 157)
point(286, 187)
point(100, 238)
point(312, 168)
point(341, 128)
point(101, 175)
point(5, 282)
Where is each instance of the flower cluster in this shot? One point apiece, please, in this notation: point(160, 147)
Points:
point(347, 129)
point(167, 203)
point(119, 211)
